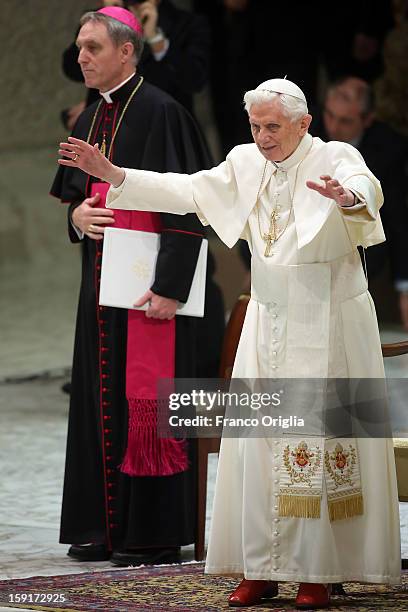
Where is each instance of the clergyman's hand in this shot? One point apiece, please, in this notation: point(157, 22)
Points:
point(90, 220)
point(79, 154)
point(159, 307)
point(333, 190)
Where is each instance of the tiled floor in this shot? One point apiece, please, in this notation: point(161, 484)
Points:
point(37, 317)
point(33, 417)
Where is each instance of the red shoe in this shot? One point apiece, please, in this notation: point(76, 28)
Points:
point(250, 592)
point(312, 596)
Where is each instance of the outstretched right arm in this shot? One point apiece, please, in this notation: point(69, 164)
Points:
point(138, 189)
point(221, 197)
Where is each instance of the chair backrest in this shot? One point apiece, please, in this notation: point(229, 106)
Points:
point(395, 349)
point(232, 336)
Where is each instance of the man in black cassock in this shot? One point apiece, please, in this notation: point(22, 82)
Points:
point(125, 496)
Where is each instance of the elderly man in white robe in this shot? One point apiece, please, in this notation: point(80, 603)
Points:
point(289, 510)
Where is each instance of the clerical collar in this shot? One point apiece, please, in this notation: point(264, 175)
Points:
point(106, 95)
point(297, 155)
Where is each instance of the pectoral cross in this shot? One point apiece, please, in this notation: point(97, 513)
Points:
point(103, 145)
point(271, 237)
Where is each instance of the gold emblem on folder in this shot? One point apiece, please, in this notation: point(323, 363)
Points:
point(142, 270)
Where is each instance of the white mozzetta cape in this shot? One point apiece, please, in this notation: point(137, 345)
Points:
point(224, 196)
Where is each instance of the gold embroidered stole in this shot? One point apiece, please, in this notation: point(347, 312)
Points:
point(310, 466)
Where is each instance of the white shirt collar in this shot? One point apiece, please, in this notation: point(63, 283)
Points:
point(297, 155)
point(106, 95)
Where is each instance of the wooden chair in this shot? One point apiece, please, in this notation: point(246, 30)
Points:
point(205, 446)
point(212, 445)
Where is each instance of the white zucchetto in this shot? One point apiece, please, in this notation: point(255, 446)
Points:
point(282, 86)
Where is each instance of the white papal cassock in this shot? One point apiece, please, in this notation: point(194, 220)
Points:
point(310, 315)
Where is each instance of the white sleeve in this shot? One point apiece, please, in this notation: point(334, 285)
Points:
point(364, 189)
point(77, 230)
point(352, 172)
point(363, 224)
point(161, 54)
point(212, 194)
point(153, 191)
point(359, 211)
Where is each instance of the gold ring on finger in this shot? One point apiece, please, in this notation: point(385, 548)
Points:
point(76, 156)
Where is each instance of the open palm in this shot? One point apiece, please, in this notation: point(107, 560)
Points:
point(332, 190)
point(79, 154)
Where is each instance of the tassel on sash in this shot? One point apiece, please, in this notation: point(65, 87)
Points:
point(299, 506)
point(346, 508)
point(146, 454)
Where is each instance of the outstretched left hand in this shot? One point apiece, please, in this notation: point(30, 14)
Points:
point(80, 154)
point(333, 190)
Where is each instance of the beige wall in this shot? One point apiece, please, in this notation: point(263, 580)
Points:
point(33, 34)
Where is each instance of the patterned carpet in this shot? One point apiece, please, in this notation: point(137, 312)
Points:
point(174, 588)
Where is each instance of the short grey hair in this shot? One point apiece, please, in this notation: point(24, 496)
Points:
point(118, 32)
point(293, 108)
point(353, 89)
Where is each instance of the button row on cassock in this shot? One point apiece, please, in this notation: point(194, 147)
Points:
point(107, 431)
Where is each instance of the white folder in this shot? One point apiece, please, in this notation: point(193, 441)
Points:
point(128, 271)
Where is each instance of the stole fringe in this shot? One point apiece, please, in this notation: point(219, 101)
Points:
point(146, 454)
point(346, 507)
point(299, 506)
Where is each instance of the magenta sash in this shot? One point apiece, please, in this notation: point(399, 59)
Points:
point(150, 356)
